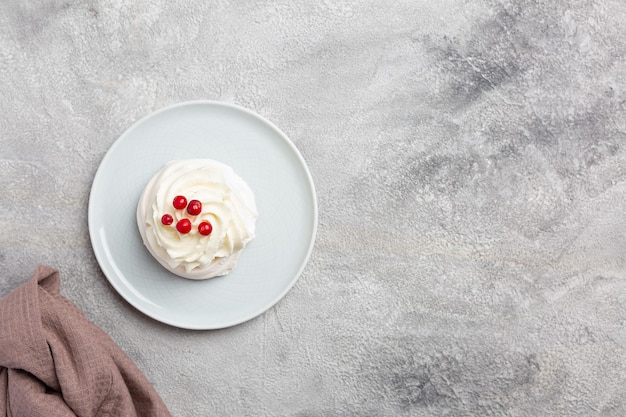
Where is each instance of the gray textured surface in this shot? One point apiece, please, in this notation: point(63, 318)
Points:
point(469, 158)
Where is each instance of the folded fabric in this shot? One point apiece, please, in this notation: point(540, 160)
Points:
point(54, 362)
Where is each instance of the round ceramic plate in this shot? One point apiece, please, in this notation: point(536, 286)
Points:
point(263, 156)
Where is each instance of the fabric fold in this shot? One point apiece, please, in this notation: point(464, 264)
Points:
point(55, 362)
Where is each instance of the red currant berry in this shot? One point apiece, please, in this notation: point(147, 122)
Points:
point(205, 228)
point(194, 208)
point(183, 226)
point(167, 219)
point(180, 202)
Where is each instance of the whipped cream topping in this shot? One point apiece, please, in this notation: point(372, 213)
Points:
point(227, 203)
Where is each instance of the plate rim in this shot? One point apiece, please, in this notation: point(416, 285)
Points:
point(120, 289)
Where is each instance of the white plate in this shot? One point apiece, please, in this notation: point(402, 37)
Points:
point(263, 156)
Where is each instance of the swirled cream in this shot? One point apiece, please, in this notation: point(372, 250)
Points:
point(183, 246)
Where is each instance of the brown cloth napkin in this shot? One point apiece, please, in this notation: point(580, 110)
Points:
point(54, 362)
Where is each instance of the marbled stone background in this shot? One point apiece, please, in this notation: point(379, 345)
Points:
point(469, 159)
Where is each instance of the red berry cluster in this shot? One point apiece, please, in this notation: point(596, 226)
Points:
point(184, 225)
